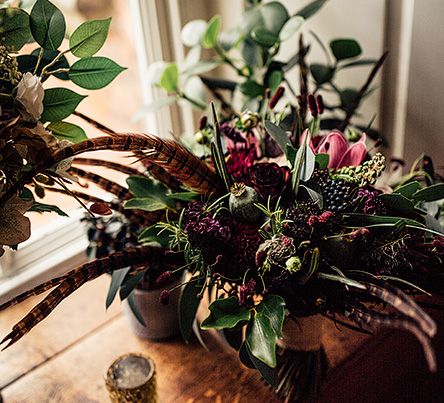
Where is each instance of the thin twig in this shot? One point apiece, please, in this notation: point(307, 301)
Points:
point(360, 95)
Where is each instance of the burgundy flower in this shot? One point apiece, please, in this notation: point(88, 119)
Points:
point(269, 179)
point(246, 292)
point(240, 161)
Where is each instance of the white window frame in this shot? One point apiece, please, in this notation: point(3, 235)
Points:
point(56, 248)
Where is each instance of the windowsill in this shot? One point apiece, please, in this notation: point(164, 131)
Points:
point(51, 251)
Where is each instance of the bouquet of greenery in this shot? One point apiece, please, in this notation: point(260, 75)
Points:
point(278, 242)
point(32, 118)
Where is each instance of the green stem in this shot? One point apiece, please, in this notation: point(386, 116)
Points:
point(39, 59)
point(54, 61)
point(62, 70)
point(222, 54)
point(191, 101)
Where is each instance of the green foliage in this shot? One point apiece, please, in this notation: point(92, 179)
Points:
point(345, 49)
point(14, 28)
point(279, 135)
point(117, 278)
point(47, 25)
point(264, 37)
point(291, 27)
point(252, 89)
point(59, 103)
point(225, 313)
point(408, 190)
point(248, 359)
point(209, 39)
point(431, 193)
point(89, 37)
point(188, 304)
point(149, 195)
point(321, 73)
point(47, 208)
point(151, 234)
point(93, 73)
point(397, 202)
point(67, 131)
point(311, 9)
point(170, 78)
point(265, 328)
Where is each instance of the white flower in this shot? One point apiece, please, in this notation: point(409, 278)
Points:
point(30, 96)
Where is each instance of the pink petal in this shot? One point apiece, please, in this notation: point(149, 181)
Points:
point(335, 146)
point(355, 154)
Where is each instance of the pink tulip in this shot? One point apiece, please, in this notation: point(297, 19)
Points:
point(341, 153)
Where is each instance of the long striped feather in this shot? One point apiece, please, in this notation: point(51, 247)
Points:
point(168, 154)
point(69, 283)
point(107, 164)
point(109, 186)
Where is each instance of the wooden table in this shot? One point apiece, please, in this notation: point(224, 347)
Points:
point(64, 359)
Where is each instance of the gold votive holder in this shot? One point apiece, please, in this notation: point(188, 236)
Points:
point(132, 378)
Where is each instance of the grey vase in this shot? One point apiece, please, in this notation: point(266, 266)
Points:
point(162, 321)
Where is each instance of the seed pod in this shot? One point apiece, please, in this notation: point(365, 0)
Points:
point(276, 97)
point(242, 203)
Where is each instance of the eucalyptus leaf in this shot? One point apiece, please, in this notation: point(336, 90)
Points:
point(252, 89)
point(274, 80)
point(170, 78)
point(14, 28)
point(188, 305)
point(192, 32)
point(225, 313)
point(321, 73)
point(430, 193)
point(94, 73)
point(67, 131)
point(89, 37)
point(397, 202)
point(129, 284)
point(47, 25)
point(59, 103)
point(311, 9)
point(360, 220)
point(279, 135)
point(117, 277)
point(408, 189)
point(135, 309)
point(342, 280)
point(345, 48)
point(201, 67)
point(291, 27)
point(264, 37)
point(210, 37)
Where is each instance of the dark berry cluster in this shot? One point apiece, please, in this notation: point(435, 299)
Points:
point(336, 195)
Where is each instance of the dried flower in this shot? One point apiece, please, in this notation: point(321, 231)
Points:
point(276, 97)
point(30, 95)
point(164, 278)
point(164, 297)
point(246, 292)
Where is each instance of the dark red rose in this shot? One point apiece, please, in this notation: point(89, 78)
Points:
point(269, 179)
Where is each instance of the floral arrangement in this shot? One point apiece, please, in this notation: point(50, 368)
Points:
point(279, 223)
point(32, 117)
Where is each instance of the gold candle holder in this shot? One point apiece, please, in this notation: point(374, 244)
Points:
point(131, 378)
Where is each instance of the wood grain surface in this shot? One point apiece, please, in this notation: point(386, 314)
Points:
point(64, 360)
